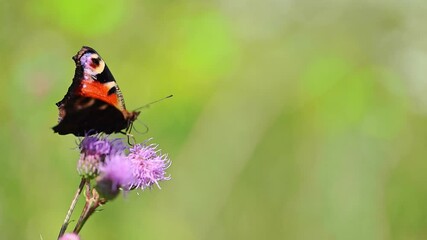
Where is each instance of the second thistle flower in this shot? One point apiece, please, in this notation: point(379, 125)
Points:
point(148, 166)
point(93, 151)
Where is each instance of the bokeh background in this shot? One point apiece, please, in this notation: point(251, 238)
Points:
point(290, 120)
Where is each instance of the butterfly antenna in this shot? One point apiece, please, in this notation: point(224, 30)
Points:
point(148, 104)
point(145, 125)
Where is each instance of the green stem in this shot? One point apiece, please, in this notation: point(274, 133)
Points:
point(71, 208)
point(93, 201)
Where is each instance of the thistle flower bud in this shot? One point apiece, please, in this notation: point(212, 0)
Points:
point(93, 151)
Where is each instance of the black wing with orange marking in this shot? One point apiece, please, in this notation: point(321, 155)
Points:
point(93, 102)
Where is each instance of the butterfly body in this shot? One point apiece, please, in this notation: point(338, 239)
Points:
point(94, 102)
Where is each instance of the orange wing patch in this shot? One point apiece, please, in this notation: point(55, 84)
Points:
point(95, 89)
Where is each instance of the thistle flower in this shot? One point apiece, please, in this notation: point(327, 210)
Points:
point(69, 236)
point(93, 151)
point(115, 173)
point(94, 145)
point(148, 166)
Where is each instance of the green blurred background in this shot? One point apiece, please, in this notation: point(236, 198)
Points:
point(291, 119)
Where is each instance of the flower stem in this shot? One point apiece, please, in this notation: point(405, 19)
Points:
point(93, 201)
point(71, 209)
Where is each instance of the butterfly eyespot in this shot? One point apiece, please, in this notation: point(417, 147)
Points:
point(98, 65)
point(96, 61)
point(92, 63)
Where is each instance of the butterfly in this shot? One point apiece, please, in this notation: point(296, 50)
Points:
point(93, 103)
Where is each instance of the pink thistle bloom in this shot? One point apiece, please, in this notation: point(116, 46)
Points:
point(115, 174)
point(93, 145)
point(69, 236)
point(148, 165)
